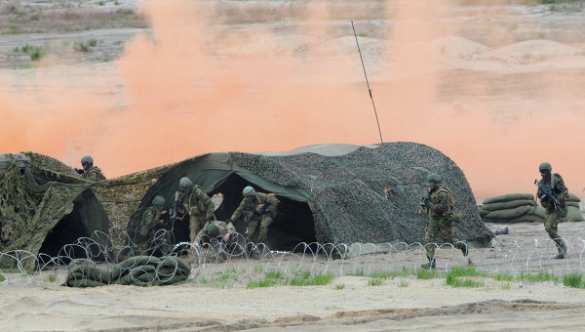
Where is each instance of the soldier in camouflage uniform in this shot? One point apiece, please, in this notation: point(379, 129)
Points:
point(553, 194)
point(152, 220)
point(219, 235)
point(89, 171)
point(216, 229)
point(439, 204)
point(258, 211)
point(191, 201)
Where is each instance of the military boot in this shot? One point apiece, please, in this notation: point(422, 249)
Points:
point(431, 264)
point(562, 248)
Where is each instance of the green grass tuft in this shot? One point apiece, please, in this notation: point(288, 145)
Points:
point(340, 286)
point(306, 279)
point(392, 274)
point(457, 277)
point(34, 52)
point(270, 279)
point(375, 282)
point(504, 277)
point(2, 278)
point(427, 274)
point(403, 284)
point(223, 279)
point(538, 277)
point(574, 280)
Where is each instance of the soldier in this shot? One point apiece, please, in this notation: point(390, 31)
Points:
point(89, 171)
point(152, 220)
point(439, 205)
point(553, 194)
point(192, 201)
point(219, 236)
point(258, 210)
point(216, 229)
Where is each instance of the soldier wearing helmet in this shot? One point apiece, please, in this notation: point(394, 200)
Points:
point(553, 194)
point(152, 219)
point(257, 211)
point(193, 205)
point(218, 230)
point(439, 205)
point(89, 171)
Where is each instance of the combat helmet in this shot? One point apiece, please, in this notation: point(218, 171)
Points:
point(87, 160)
point(434, 178)
point(212, 230)
point(185, 183)
point(544, 167)
point(158, 201)
point(248, 190)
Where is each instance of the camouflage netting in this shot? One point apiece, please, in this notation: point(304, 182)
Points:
point(333, 197)
point(329, 193)
point(44, 204)
point(121, 197)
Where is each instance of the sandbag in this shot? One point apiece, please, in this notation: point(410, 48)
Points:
point(574, 214)
point(138, 271)
point(573, 198)
point(483, 212)
point(538, 211)
point(510, 213)
point(574, 204)
point(508, 205)
point(508, 198)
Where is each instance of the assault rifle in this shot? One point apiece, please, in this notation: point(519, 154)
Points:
point(425, 205)
point(546, 194)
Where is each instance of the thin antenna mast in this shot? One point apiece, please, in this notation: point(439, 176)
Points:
point(368, 83)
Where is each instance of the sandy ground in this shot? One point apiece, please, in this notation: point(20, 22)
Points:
point(509, 66)
point(402, 303)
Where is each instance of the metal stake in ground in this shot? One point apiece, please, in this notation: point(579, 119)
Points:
point(367, 83)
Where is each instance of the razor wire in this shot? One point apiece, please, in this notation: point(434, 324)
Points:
point(24, 268)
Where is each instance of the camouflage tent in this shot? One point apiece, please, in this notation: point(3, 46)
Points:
point(45, 205)
point(331, 193)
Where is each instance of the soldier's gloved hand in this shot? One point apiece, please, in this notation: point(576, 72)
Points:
point(79, 170)
point(227, 237)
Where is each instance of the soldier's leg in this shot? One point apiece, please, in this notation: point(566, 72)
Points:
point(194, 227)
point(429, 247)
point(265, 222)
point(252, 230)
point(551, 223)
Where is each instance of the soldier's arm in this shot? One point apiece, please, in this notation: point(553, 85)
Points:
point(238, 213)
point(230, 228)
point(209, 208)
point(561, 187)
point(147, 222)
point(442, 205)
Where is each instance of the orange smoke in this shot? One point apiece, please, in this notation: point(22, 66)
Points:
point(185, 95)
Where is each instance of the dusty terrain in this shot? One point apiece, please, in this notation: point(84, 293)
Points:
point(498, 67)
point(218, 298)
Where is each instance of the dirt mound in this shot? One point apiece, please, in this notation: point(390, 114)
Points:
point(458, 47)
point(531, 51)
point(345, 45)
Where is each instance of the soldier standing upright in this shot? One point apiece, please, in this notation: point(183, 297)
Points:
point(438, 205)
point(191, 201)
point(89, 171)
point(553, 194)
point(258, 211)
